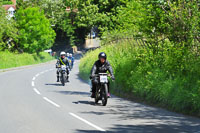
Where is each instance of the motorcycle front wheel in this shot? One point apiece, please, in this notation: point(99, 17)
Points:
point(62, 79)
point(96, 99)
point(105, 95)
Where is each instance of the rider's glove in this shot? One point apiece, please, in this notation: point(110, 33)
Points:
point(112, 77)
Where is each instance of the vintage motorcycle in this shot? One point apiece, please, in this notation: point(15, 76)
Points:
point(63, 73)
point(102, 88)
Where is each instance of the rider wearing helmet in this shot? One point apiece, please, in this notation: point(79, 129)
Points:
point(62, 61)
point(71, 58)
point(100, 66)
point(67, 55)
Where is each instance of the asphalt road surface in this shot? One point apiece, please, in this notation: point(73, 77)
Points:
point(31, 101)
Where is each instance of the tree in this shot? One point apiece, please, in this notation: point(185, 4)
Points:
point(8, 32)
point(35, 30)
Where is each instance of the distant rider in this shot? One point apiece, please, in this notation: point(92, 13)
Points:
point(71, 58)
point(62, 61)
point(67, 55)
point(100, 66)
point(68, 58)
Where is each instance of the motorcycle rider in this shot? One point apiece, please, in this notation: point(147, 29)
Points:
point(100, 66)
point(62, 61)
point(71, 58)
point(67, 55)
point(68, 58)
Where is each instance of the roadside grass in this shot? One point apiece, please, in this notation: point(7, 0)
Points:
point(156, 79)
point(9, 60)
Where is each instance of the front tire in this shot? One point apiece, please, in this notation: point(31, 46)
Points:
point(62, 79)
point(105, 95)
point(96, 99)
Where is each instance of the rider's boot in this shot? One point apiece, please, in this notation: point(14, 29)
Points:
point(93, 92)
point(109, 95)
point(67, 78)
point(57, 78)
point(92, 95)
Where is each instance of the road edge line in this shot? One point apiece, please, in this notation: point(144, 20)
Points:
point(87, 122)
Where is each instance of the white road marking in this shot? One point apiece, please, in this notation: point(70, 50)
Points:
point(33, 78)
point(87, 122)
point(37, 91)
point(48, 100)
point(33, 83)
point(37, 75)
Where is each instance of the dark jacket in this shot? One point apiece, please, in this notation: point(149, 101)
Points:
point(62, 62)
point(98, 67)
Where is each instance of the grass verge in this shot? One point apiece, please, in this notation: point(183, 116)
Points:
point(10, 60)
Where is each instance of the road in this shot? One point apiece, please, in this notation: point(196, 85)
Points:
point(31, 101)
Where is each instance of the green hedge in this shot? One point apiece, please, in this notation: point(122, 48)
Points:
point(170, 79)
point(9, 60)
point(6, 2)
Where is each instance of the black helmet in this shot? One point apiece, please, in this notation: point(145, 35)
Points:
point(102, 55)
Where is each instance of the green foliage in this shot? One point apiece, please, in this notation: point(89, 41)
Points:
point(98, 13)
point(169, 78)
point(35, 30)
point(8, 32)
point(9, 60)
point(61, 20)
point(6, 2)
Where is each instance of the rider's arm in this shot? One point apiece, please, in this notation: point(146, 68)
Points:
point(110, 70)
point(57, 63)
point(93, 71)
point(67, 62)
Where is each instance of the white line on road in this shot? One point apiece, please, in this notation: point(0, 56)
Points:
point(41, 72)
point(33, 83)
point(48, 100)
point(37, 91)
point(33, 78)
point(37, 75)
point(98, 128)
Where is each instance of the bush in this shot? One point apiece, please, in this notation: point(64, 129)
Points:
point(169, 77)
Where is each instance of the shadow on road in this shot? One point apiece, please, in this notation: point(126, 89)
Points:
point(84, 102)
point(83, 81)
point(73, 93)
point(54, 84)
point(158, 128)
point(147, 119)
point(78, 56)
point(90, 103)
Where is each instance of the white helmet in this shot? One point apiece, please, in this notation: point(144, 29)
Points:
point(62, 53)
point(70, 55)
point(67, 54)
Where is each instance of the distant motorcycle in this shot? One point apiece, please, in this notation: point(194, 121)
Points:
point(63, 73)
point(70, 64)
point(102, 88)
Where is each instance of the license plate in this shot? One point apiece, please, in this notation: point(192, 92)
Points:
point(103, 79)
point(63, 67)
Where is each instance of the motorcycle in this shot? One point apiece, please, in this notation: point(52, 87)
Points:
point(102, 89)
point(70, 65)
point(63, 77)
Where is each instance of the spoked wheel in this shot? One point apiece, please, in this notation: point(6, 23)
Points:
point(62, 80)
point(96, 100)
point(105, 95)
